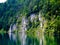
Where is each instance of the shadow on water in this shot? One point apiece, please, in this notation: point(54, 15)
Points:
point(18, 39)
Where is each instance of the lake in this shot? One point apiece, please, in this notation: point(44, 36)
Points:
point(28, 39)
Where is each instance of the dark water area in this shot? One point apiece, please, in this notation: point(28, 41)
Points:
point(24, 39)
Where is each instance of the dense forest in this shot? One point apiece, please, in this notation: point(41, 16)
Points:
point(13, 12)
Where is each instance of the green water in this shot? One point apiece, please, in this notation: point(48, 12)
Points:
point(24, 39)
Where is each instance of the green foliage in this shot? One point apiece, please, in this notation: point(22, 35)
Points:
point(12, 12)
point(2, 31)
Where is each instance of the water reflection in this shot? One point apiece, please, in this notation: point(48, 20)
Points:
point(32, 41)
point(24, 39)
point(4, 39)
point(12, 36)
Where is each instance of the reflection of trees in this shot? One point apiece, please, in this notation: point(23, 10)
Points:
point(50, 40)
point(57, 39)
point(32, 41)
point(6, 40)
point(14, 39)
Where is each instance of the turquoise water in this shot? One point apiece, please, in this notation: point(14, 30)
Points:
point(24, 39)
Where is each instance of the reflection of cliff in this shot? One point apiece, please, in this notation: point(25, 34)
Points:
point(22, 38)
point(12, 36)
